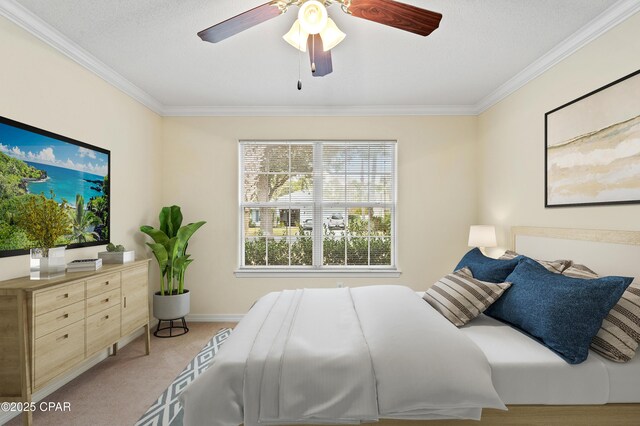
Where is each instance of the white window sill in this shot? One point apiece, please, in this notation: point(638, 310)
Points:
point(316, 273)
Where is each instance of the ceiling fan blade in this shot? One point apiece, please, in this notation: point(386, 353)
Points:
point(318, 56)
point(240, 22)
point(398, 15)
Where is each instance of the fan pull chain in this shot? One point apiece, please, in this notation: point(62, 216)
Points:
point(313, 54)
point(299, 76)
point(299, 55)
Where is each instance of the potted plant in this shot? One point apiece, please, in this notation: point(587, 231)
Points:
point(117, 254)
point(44, 221)
point(170, 250)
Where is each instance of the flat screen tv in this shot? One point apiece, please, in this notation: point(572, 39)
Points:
point(35, 161)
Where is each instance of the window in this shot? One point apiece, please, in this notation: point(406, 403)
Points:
point(315, 206)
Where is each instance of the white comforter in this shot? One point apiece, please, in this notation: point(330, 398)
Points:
point(341, 356)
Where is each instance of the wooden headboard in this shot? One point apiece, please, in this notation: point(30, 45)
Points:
point(607, 252)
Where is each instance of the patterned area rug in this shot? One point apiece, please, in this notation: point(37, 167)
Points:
point(167, 411)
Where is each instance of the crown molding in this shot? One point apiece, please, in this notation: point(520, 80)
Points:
point(319, 111)
point(27, 20)
point(608, 19)
point(611, 17)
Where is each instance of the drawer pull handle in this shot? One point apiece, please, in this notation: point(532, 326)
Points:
point(66, 336)
point(65, 316)
point(106, 317)
point(106, 300)
point(106, 283)
point(64, 296)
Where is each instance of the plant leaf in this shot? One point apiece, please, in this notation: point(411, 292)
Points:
point(160, 252)
point(187, 263)
point(164, 220)
point(157, 235)
point(185, 233)
point(171, 250)
point(170, 220)
point(179, 264)
point(176, 219)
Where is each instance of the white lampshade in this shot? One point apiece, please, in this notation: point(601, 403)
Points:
point(331, 35)
point(482, 236)
point(297, 37)
point(312, 16)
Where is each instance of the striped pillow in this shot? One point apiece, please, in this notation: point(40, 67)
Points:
point(579, 271)
point(555, 266)
point(619, 335)
point(460, 298)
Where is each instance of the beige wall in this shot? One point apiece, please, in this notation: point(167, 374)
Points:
point(511, 139)
point(43, 88)
point(436, 193)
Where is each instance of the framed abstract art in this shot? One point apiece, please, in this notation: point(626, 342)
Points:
point(592, 147)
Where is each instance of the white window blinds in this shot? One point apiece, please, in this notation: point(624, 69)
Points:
point(318, 205)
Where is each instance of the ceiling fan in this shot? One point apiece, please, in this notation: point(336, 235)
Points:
point(316, 33)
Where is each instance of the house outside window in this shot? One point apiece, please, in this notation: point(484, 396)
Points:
point(316, 206)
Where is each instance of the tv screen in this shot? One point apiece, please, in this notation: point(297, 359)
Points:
point(34, 161)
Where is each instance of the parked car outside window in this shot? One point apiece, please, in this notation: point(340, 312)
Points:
point(307, 225)
point(336, 221)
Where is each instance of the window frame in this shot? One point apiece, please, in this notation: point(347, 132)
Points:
point(319, 205)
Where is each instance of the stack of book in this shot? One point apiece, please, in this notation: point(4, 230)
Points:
point(84, 265)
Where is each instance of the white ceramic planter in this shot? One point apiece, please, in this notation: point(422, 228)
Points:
point(52, 266)
point(117, 257)
point(171, 307)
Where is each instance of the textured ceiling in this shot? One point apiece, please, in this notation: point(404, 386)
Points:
point(479, 46)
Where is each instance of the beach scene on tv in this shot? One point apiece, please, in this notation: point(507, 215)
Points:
point(32, 165)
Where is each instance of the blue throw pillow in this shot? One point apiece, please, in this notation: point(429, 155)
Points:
point(487, 269)
point(563, 313)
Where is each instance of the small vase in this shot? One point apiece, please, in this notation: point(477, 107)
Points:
point(45, 267)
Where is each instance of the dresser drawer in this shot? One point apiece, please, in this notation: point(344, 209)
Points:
point(61, 317)
point(50, 300)
point(57, 352)
point(102, 283)
point(103, 329)
point(103, 301)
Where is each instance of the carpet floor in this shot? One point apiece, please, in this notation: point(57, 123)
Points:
point(167, 410)
point(121, 388)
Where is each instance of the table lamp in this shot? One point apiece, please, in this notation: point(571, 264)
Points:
point(482, 236)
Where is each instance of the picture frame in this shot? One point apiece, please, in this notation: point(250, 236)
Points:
point(592, 147)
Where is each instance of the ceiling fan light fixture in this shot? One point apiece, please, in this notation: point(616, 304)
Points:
point(331, 35)
point(313, 16)
point(297, 37)
point(313, 20)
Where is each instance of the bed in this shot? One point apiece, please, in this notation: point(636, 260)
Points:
point(537, 386)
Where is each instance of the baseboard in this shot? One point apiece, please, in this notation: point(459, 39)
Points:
point(69, 376)
point(214, 317)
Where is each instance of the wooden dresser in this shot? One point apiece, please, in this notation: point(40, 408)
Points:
point(47, 327)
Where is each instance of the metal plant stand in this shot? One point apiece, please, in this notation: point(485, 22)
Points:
point(184, 329)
